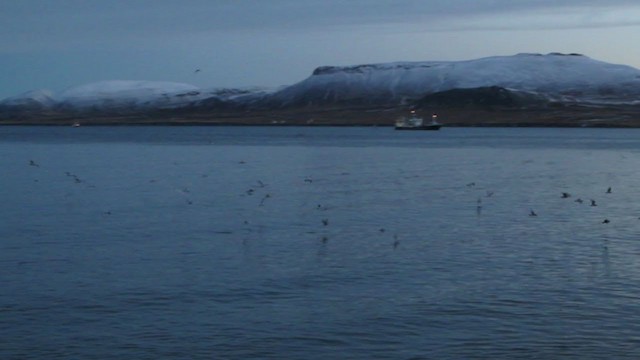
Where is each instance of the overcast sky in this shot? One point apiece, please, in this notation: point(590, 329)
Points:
point(56, 44)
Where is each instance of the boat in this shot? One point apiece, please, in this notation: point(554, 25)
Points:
point(414, 122)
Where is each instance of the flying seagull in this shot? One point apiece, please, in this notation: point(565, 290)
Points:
point(263, 199)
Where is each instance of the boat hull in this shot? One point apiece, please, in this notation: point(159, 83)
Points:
point(423, 127)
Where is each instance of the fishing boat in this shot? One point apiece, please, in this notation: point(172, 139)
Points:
point(414, 122)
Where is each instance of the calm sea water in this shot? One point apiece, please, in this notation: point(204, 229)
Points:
point(318, 243)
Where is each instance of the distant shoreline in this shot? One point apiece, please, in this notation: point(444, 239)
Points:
point(471, 116)
point(204, 124)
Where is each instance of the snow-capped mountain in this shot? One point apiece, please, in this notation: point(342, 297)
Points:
point(34, 99)
point(562, 77)
point(232, 98)
point(522, 81)
point(117, 94)
point(149, 95)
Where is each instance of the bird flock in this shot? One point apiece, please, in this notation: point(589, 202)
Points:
point(532, 213)
point(75, 177)
point(264, 195)
point(592, 203)
point(261, 190)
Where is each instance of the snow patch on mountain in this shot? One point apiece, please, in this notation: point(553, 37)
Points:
point(130, 93)
point(239, 94)
point(573, 74)
point(557, 77)
point(36, 99)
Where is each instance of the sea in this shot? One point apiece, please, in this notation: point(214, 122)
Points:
point(282, 242)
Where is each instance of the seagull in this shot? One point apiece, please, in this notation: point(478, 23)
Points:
point(396, 242)
point(33, 163)
point(197, 71)
point(533, 213)
point(565, 195)
point(578, 200)
point(264, 198)
point(593, 203)
point(325, 222)
point(606, 221)
point(609, 190)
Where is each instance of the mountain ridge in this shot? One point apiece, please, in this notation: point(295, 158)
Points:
point(525, 82)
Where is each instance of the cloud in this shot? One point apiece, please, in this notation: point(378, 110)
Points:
point(545, 18)
point(40, 21)
point(270, 42)
point(31, 26)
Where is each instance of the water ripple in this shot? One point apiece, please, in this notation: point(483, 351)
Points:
point(370, 244)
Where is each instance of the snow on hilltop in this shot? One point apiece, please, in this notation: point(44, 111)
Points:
point(121, 94)
point(129, 95)
point(124, 93)
point(554, 76)
point(558, 74)
point(39, 99)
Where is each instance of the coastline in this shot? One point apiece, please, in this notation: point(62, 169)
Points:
point(566, 116)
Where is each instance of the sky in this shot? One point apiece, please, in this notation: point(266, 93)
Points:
point(59, 44)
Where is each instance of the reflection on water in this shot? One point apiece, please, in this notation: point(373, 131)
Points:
point(262, 242)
